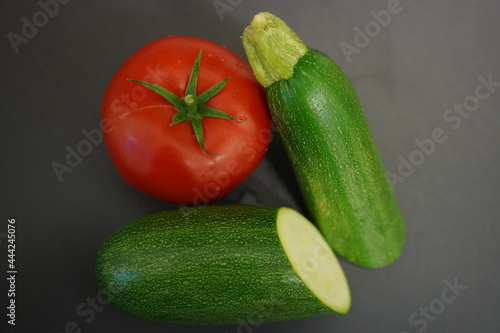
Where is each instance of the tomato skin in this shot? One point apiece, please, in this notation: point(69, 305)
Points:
point(166, 161)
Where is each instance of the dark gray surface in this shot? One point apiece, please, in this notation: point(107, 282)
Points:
point(430, 56)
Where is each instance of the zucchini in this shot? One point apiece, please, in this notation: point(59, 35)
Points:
point(327, 138)
point(222, 265)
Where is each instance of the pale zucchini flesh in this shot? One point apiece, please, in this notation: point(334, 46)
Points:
point(313, 260)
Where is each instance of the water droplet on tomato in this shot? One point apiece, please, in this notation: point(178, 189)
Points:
point(239, 65)
point(203, 178)
point(222, 59)
point(210, 54)
point(242, 118)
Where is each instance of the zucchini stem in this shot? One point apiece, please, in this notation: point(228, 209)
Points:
point(272, 47)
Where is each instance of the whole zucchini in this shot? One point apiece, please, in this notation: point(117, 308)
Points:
point(326, 135)
point(222, 265)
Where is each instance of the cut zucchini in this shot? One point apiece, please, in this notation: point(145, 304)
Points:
point(222, 265)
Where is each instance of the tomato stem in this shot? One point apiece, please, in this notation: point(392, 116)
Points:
point(189, 99)
point(192, 108)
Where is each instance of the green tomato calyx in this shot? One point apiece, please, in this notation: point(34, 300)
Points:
point(191, 107)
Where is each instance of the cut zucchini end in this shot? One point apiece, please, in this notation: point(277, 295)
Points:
point(313, 260)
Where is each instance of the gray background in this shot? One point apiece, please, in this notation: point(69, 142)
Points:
point(429, 57)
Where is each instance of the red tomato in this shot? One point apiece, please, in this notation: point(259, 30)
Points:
point(168, 161)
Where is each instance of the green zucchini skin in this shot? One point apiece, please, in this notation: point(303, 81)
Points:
point(204, 265)
point(337, 165)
